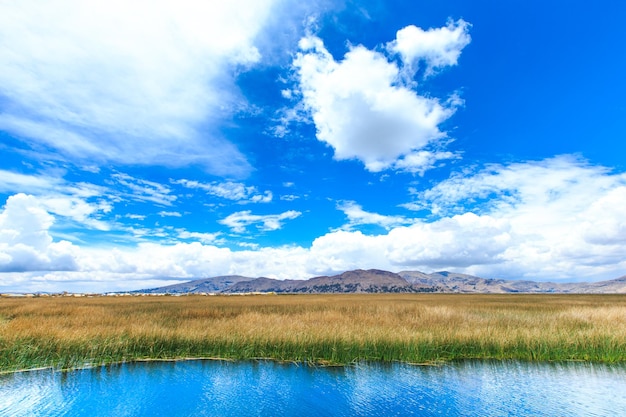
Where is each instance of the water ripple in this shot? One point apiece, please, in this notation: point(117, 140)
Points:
point(210, 388)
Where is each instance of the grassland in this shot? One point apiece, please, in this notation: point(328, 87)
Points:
point(322, 329)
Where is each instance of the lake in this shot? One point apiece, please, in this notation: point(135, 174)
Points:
point(219, 388)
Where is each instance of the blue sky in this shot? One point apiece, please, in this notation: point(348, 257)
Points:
point(155, 142)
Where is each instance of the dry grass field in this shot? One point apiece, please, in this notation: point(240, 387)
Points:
point(65, 332)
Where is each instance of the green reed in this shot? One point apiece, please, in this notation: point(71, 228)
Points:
point(68, 333)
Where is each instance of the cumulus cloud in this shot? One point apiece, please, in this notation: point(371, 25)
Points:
point(366, 109)
point(453, 243)
point(127, 82)
point(344, 250)
point(239, 221)
point(25, 244)
point(153, 265)
point(562, 215)
point(230, 190)
point(436, 47)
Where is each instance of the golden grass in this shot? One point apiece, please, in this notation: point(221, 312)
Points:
point(71, 332)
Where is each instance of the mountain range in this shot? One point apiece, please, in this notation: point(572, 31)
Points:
point(377, 281)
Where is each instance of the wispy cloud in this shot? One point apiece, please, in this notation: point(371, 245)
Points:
point(229, 190)
point(13, 181)
point(205, 238)
point(84, 204)
point(135, 216)
point(170, 214)
point(80, 203)
point(127, 82)
point(357, 217)
point(143, 190)
point(239, 221)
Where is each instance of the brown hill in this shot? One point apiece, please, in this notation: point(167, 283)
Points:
point(261, 285)
point(358, 281)
point(377, 281)
point(205, 285)
point(453, 282)
point(614, 286)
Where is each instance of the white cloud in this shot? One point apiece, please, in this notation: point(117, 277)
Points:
point(189, 260)
point(87, 205)
point(169, 214)
point(94, 282)
point(566, 183)
point(454, 242)
point(240, 220)
point(78, 210)
point(342, 251)
point(357, 216)
point(364, 107)
point(12, 181)
point(143, 190)
point(264, 198)
point(152, 265)
point(128, 82)
point(437, 47)
point(135, 216)
point(559, 218)
point(201, 237)
point(80, 203)
point(285, 262)
point(563, 216)
point(230, 190)
point(25, 244)
point(605, 223)
point(418, 162)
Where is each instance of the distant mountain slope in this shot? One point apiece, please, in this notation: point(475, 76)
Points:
point(612, 286)
point(205, 285)
point(261, 285)
point(377, 281)
point(358, 281)
point(453, 282)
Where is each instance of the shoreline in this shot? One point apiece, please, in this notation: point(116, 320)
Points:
point(436, 363)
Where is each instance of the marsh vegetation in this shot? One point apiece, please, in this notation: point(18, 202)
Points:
point(64, 332)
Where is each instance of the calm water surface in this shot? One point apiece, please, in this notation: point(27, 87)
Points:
point(210, 388)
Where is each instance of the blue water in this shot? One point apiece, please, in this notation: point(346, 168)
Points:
point(213, 388)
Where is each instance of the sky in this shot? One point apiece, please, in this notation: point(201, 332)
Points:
point(147, 143)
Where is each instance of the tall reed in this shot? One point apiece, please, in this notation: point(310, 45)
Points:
point(323, 329)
